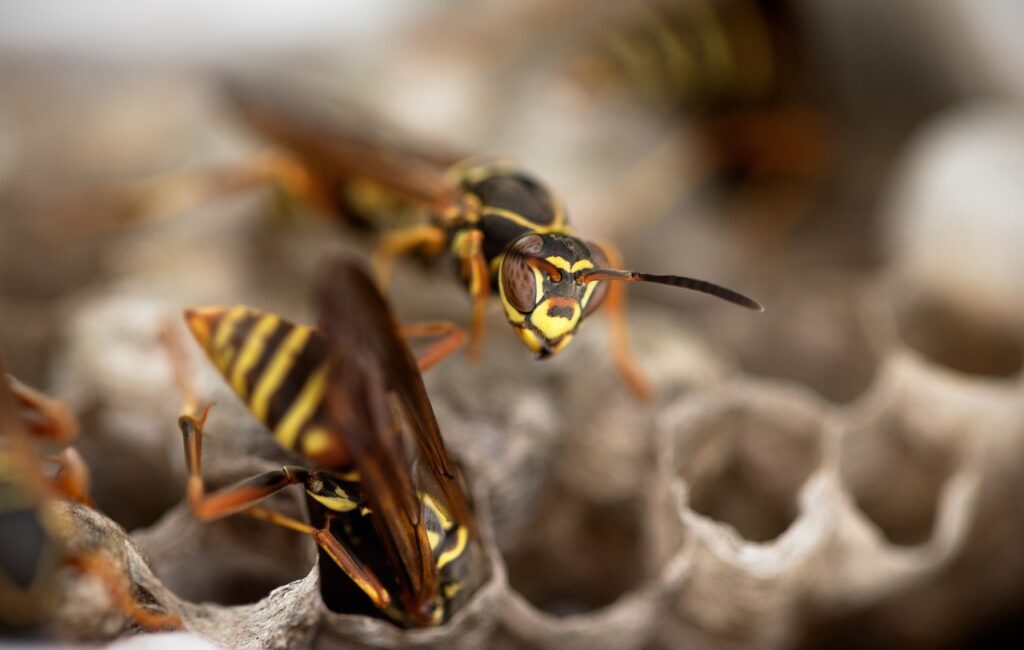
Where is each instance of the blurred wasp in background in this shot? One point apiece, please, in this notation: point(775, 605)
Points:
point(395, 542)
point(33, 537)
point(740, 71)
point(503, 226)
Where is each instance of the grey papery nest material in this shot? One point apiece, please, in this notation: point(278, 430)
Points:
point(753, 506)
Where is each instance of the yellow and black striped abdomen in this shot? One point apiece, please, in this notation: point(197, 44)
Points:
point(278, 368)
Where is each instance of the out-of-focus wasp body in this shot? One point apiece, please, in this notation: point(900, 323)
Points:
point(394, 543)
point(33, 548)
point(739, 69)
point(503, 225)
point(30, 547)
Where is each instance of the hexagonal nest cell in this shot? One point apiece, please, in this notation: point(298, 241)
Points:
point(895, 473)
point(961, 340)
point(744, 465)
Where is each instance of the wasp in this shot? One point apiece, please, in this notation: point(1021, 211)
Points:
point(393, 544)
point(504, 227)
point(739, 69)
point(33, 542)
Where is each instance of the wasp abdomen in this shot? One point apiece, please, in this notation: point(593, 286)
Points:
point(278, 367)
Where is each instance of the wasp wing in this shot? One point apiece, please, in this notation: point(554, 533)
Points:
point(378, 332)
point(369, 363)
point(339, 144)
point(358, 405)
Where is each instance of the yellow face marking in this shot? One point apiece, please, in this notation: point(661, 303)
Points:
point(587, 293)
point(302, 409)
point(538, 279)
point(461, 538)
point(563, 264)
point(553, 327)
point(579, 265)
point(529, 337)
point(559, 263)
point(316, 441)
point(561, 344)
point(251, 351)
point(514, 316)
point(277, 370)
point(227, 326)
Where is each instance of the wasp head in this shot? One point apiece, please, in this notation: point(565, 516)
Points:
point(541, 288)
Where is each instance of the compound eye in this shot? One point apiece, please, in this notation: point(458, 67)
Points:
point(519, 283)
point(597, 295)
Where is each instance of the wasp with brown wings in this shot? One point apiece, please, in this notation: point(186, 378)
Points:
point(741, 71)
point(394, 543)
point(503, 225)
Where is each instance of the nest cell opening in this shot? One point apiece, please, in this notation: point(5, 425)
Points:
point(578, 555)
point(745, 466)
point(817, 338)
point(962, 341)
point(896, 474)
point(237, 560)
point(132, 485)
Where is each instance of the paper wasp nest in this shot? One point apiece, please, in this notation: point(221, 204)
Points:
point(848, 466)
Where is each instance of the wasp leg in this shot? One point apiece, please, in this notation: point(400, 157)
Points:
point(173, 193)
point(72, 478)
point(234, 498)
point(326, 540)
point(451, 339)
point(425, 237)
point(469, 250)
point(117, 588)
point(614, 308)
point(172, 344)
point(42, 415)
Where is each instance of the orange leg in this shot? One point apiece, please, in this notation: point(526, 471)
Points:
point(425, 237)
point(174, 193)
point(72, 476)
point(614, 308)
point(469, 250)
point(172, 344)
point(451, 339)
point(234, 498)
point(43, 416)
point(117, 588)
point(348, 563)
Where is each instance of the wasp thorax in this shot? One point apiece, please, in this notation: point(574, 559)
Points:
point(540, 289)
